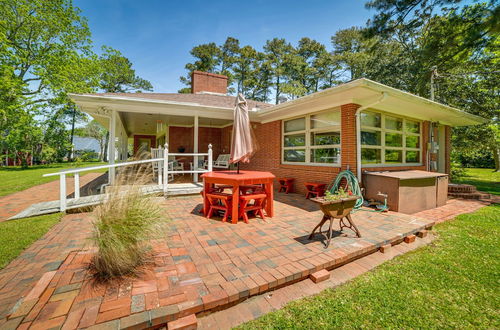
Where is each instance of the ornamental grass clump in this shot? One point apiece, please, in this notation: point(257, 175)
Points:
point(123, 225)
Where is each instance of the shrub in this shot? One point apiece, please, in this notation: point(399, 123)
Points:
point(123, 224)
point(457, 171)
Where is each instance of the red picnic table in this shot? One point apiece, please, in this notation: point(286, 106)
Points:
point(231, 178)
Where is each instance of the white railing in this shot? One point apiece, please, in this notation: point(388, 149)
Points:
point(163, 172)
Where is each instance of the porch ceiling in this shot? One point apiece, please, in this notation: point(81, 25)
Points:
point(145, 123)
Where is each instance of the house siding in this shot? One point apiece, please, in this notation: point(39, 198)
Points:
point(183, 136)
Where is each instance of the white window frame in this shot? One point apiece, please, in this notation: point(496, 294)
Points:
point(308, 147)
point(383, 147)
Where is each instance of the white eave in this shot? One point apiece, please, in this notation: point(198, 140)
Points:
point(96, 103)
point(366, 92)
point(361, 91)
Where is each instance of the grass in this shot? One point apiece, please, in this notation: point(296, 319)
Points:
point(17, 235)
point(452, 283)
point(485, 179)
point(16, 178)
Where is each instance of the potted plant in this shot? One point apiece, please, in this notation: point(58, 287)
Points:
point(181, 149)
point(336, 205)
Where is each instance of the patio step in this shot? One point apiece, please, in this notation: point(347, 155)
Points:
point(466, 191)
point(461, 188)
point(474, 195)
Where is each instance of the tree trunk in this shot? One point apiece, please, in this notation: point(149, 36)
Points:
point(105, 151)
point(496, 157)
point(70, 151)
point(277, 89)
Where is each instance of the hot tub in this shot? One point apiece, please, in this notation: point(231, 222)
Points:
point(407, 191)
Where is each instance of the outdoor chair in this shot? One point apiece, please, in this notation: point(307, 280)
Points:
point(315, 189)
point(219, 202)
point(222, 161)
point(202, 165)
point(252, 189)
point(257, 206)
point(210, 190)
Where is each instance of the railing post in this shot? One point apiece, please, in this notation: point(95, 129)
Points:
point(210, 164)
point(165, 169)
point(77, 185)
point(62, 192)
point(159, 169)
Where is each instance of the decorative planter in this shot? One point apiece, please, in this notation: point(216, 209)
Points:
point(336, 209)
point(181, 149)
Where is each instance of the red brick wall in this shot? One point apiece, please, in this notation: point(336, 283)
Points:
point(226, 139)
point(268, 157)
point(183, 136)
point(208, 82)
point(207, 135)
point(348, 136)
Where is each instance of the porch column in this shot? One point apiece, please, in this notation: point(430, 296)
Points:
point(195, 147)
point(111, 146)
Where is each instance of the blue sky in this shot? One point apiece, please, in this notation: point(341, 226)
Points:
point(158, 35)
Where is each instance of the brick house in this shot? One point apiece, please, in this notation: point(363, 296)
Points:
point(361, 125)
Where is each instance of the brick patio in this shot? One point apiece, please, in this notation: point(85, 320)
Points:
point(201, 265)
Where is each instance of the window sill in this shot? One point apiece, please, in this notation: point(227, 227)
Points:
point(310, 164)
point(391, 165)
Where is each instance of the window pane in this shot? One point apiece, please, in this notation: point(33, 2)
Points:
point(370, 119)
point(293, 125)
point(412, 156)
point(393, 140)
point(325, 155)
point(295, 155)
point(412, 126)
point(325, 138)
point(326, 119)
point(412, 141)
point(372, 138)
point(393, 156)
point(370, 156)
point(296, 140)
point(395, 124)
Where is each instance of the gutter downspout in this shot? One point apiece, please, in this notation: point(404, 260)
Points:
point(358, 132)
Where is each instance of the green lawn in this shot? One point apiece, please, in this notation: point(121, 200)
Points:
point(452, 283)
point(16, 178)
point(17, 235)
point(484, 179)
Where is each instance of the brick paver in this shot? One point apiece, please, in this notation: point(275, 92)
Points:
point(200, 265)
point(262, 304)
point(453, 208)
point(15, 203)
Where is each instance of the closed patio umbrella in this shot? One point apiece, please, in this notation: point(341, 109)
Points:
point(243, 144)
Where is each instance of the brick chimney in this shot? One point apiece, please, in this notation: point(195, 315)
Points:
point(208, 82)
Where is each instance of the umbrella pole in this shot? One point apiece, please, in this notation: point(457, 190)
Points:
point(238, 168)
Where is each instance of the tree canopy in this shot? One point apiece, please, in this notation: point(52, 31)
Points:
point(405, 43)
point(46, 53)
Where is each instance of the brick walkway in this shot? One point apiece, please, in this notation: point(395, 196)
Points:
point(262, 304)
point(17, 202)
point(452, 208)
point(201, 265)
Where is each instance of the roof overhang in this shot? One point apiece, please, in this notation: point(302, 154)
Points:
point(96, 104)
point(368, 93)
point(365, 92)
